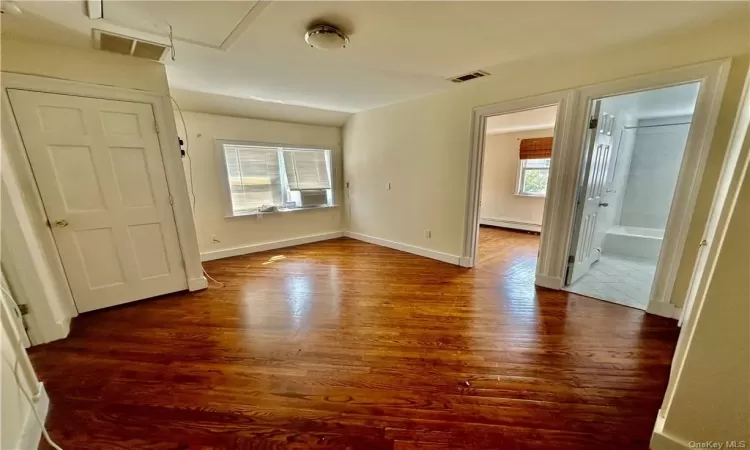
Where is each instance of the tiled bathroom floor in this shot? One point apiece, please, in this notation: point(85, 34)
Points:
point(617, 279)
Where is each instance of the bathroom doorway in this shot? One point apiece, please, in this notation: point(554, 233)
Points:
point(636, 148)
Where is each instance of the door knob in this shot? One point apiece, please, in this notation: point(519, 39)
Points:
point(603, 205)
point(61, 223)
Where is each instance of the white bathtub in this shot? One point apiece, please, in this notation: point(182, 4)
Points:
point(634, 242)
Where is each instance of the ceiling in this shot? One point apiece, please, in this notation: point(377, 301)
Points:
point(398, 49)
point(531, 119)
point(255, 109)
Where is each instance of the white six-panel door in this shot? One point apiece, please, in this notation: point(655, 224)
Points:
point(99, 170)
point(589, 232)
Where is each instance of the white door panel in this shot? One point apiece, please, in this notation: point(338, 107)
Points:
point(100, 173)
point(588, 236)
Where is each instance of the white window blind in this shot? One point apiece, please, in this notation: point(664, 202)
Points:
point(306, 169)
point(254, 177)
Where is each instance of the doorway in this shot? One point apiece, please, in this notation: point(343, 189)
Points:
point(515, 174)
point(635, 151)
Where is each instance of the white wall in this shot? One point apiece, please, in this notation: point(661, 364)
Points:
point(500, 203)
point(28, 269)
point(654, 168)
point(15, 411)
point(711, 395)
point(210, 211)
point(618, 185)
point(87, 66)
point(422, 146)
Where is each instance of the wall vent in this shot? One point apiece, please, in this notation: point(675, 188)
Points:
point(126, 45)
point(469, 76)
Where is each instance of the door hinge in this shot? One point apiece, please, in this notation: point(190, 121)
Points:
point(593, 123)
point(24, 309)
point(571, 259)
point(156, 126)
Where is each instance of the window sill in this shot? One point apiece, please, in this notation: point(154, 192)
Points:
point(518, 194)
point(280, 211)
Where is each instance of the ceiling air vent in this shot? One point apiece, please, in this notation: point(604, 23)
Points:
point(126, 45)
point(469, 76)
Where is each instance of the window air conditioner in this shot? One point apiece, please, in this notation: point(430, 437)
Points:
point(314, 197)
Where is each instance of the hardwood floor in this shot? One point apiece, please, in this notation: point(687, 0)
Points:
point(343, 344)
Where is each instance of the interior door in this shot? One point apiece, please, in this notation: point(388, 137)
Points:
point(100, 173)
point(588, 234)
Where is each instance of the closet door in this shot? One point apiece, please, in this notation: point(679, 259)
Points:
point(99, 170)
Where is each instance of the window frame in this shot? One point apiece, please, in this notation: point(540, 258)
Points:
point(224, 175)
point(520, 177)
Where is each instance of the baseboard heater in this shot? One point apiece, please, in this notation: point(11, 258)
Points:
point(513, 224)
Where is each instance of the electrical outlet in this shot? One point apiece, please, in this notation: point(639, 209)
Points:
point(428, 234)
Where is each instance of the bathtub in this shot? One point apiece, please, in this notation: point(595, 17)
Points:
point(634, 242)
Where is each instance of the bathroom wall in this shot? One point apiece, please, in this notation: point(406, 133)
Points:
point(654, 168)
point(619, 165)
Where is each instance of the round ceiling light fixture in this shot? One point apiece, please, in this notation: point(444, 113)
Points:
point(326, 37)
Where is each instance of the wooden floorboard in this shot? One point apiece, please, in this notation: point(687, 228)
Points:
point(344, 344)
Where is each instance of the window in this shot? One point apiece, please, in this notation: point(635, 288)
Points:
point(269, 178)
point(532, 177)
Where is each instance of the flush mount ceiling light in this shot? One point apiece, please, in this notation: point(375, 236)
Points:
point(326, 37)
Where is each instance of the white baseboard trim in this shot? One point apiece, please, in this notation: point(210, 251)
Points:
point(254, 248)
point(514, 224)
point(662, 441)
point(465, 261)
point(664, 309)
point(196, 284)
point(549, 282)
point(61, 331)
point(31, 434)
point(432, 254)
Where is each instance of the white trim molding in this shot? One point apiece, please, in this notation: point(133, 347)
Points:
point(262, 247)
point(31, 435)
point(427, 253)
point(663, 441)
point(664, 309)
point(196, 284)
point(548, 282)
point(512, 224)
point(551, 241)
